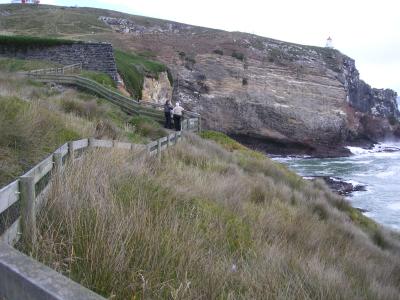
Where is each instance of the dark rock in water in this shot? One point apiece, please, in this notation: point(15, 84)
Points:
point(340, 186)
point(361, 210)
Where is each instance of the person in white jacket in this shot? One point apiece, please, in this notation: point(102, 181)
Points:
point(177, 115)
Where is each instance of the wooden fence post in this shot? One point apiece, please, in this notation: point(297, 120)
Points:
point(159, 148)
point(58, 164)
point(90, 142)
point(175, 138)
point(27, 194)
point(71, 151)
point(168, 140)
point(198, 124)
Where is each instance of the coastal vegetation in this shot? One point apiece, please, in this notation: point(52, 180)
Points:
point(23, 41)
point(101, 78)
point(211, 219)
point(36, 118)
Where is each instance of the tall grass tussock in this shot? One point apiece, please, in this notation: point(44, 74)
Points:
point(209, 222)
point(35, 119)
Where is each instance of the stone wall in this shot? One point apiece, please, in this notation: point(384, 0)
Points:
point(93, 56)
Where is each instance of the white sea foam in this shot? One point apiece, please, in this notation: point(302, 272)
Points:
point(358, 150)
point(354, 183)
point(394, 206)
point(381, 147)
point(385, 174)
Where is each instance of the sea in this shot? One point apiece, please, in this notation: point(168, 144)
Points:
point(378, 169)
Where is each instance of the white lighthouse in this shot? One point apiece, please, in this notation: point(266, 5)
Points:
point(329, 43)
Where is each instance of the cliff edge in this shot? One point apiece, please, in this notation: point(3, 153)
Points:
point(268, 93)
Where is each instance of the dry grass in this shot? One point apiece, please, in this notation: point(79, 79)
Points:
point(35, 119)
point(205, 223)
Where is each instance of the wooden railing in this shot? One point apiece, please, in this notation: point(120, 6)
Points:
point(62, 70)
point(20, 202)
point(131, 106)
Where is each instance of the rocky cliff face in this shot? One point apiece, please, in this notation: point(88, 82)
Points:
point(267, 92)
point(262, 91)
point(157, 90)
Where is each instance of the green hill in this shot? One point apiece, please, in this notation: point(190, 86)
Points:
point(211, 219)
point(35, 118)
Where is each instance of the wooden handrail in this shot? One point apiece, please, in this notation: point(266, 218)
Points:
point(132, 105)
point(23, 190)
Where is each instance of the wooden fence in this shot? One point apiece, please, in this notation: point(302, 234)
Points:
point(129, 105)
point(20, 202)
point(62, 70)
point(21, 277)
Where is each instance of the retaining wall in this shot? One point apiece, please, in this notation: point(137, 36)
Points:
point(93, 56)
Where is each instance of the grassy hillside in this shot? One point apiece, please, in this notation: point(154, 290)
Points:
point(58, 21)
point(210, 221)
point(48, 20)
point(16, 65)
point(35, 119)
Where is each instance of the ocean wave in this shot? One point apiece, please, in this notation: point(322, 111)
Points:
point(378, 148)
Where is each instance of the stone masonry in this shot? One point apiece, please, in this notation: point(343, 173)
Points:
point(93, 56)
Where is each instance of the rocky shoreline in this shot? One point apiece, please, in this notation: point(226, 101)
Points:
point(339, 185)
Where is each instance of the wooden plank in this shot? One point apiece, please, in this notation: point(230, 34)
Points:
point(22, 277)
point(41, 169)
point(121, 145)
point(63, 150)
point(102, 143)
point(80, 144)
point(12, 234)
point(152, 144)
point(9, 195)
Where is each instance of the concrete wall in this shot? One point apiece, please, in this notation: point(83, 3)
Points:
point(93, 56)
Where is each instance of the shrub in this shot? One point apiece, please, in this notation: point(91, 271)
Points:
point(245, 81)
point(182, 54)
point(89, 109)
point(28, 133)
point(218, 51)
point(393, 120)
point(189, 62)
point(238, 55)
point(147, 127)
point(106, 130)
point(21, 41)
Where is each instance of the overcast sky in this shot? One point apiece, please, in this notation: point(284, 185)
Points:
point(368, 31)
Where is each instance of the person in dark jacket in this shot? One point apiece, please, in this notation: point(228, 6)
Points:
point(167, 112)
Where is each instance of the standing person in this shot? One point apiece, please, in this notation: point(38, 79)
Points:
point(177, 112)
point(167, 112)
